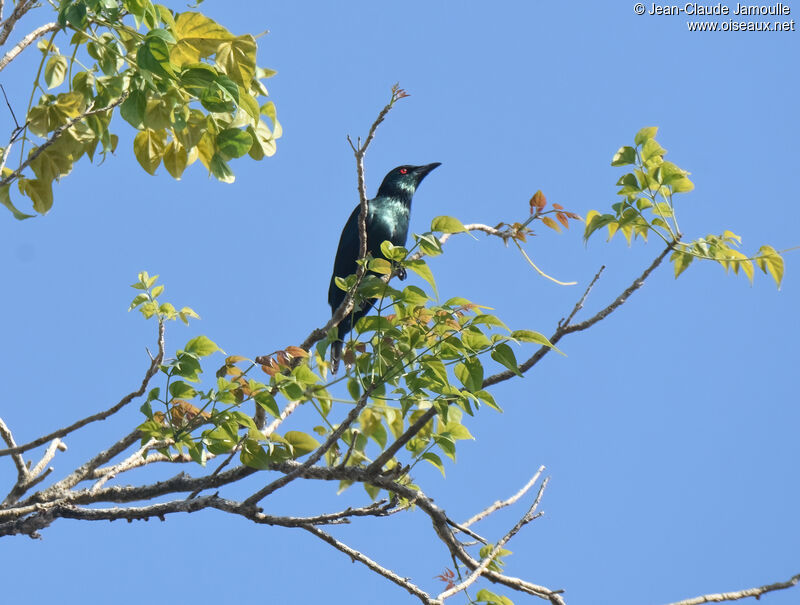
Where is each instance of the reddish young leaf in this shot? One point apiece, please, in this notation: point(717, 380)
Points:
point(563, 219)
point(296, 351)
point(538, 201)
point(558, 206)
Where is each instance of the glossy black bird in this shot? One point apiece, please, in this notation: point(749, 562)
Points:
point(388, 218)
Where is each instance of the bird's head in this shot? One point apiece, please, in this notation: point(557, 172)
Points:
point(403, 181)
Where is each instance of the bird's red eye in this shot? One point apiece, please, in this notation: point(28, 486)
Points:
point(403, 170)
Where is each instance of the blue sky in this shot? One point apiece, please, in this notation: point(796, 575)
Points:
point(669, 430)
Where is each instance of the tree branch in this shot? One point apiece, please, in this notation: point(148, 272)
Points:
point(25, 42)
point(151, 371)
point(502, 504)
point(529, 516)
point(380, 570)
point(740, 594)
point(566, 328)
point(19, 11)
point(359, 150)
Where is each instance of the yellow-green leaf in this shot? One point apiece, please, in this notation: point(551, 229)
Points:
point(55, 70)
point(197, 37)
point(447, 224)
point(148, 147)
point(302, 443)
point(175, 159)
point(237, 58)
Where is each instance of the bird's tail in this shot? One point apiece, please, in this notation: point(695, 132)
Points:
point(336, 355)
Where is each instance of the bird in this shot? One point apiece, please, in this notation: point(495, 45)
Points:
point(387, 219)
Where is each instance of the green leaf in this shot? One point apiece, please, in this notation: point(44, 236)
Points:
point(534, 337)
point(646, 133)
point(267, 401)
point(234, 143)
point(149, 147)
point(595, 221)
point(195, 78)
point(175, 159)
point(5, 199)
point(302, 443)
point(380, 266)
point(55, 70)
point(488, 399)
point(133, 108)
point(202, 346)
point(154, 56)
point(39, 191)
point(490, 598)
point(181, 390)
point(681, 260)
point(254, 456)
point(447, 224)
point(221, 96)
point(625, 155)
point(434, 460)
point(197, 37)
point(237, 58)
point(769, 261)
point(652, 149)
point(392, 252)
point(504, 355)
point(220, 169)
point(470, 373)
point(420, 267)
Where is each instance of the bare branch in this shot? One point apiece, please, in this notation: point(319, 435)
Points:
point(151, 371)
point(19, 11)
point(35, 475)
point(361, 558)
point(740, 594)
point(359, 150)
point(502, 504)
point(25, 42)
point(484, 564)
point(567, 328)
point(19, 461)
point(87, 469)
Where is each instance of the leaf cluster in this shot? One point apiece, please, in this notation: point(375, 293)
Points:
point(190, 87)
point(647, 205)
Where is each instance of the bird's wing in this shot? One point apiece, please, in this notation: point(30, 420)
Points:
point(346, 256)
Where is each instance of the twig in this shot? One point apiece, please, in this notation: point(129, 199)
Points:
point(35, 475)
point(25, 42)
point(19, 461)
point(151, 371)
point(19, 11)
point(503, 503)
point(317, 454)
point(740, 594)
point(566, 328)
point(379, 569)
point(359, 150)
point(484, 564)
point(409, 434)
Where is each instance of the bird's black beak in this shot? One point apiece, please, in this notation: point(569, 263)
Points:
point(422, 171)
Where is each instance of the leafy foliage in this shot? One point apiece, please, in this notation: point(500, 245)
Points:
point(647, 206)
point(189, 86)
point(416, 355)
